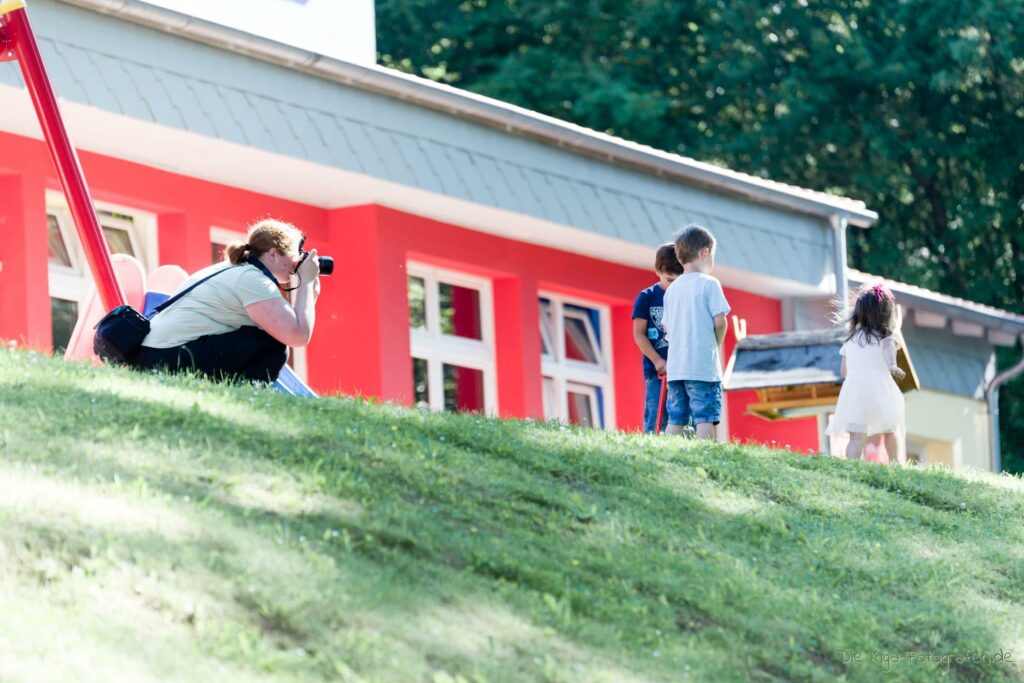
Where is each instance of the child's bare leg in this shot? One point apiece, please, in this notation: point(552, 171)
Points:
point(892, 447)
point(706, 430)
point(674, 429)
point(855, 446)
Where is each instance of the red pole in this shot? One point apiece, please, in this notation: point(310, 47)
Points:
point(14, 24)
point(662, 395)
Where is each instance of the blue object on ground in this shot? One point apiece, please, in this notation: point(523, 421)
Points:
point(289, 383)
point(152, 300)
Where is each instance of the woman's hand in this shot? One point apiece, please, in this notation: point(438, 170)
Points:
point(309, 269)
point(897, 373)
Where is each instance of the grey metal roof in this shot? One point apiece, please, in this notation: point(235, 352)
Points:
point(943, 361)
point(226, 85)
point(787, 359)
point(470, 106)
point(782, 340)
point(950, 363)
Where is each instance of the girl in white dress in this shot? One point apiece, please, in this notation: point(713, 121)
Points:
point(870, 407)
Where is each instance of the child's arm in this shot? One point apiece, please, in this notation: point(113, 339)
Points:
point(889, 346)
point(645, 346)
point(721, 326)
point(842, 368)
point(719, 308)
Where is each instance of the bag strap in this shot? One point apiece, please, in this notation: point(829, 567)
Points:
point(174, 298)
point(253, 261)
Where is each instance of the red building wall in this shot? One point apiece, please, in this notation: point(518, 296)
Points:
point(763, 316)
point(361, 344)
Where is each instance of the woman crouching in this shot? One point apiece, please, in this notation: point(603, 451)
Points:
point(237, 324)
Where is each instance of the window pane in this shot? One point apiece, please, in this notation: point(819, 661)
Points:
point(119, 241)
point(579, 344)
point(417, 303)
point(64, 315)
point(420, 383)
point(460, 311)
point(58, 250)
point(580, 409)
point(217, 252)
point(547, 328)
point(463, 389)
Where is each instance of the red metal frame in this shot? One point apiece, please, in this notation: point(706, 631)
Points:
point(19, 42)
point(662, 395)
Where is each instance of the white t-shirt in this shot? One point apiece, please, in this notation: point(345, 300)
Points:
point(691, 304)
point(214, 307)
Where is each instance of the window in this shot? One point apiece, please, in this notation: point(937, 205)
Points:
point(59, 254)
point(63, 317)
point(575, 362)
point(127, 232)
point(451, 339)
point(220, 238)
point(421, 397)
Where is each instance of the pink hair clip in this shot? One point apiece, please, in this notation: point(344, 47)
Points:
point(881, 291)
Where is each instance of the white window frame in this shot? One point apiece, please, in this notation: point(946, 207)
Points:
point(439, 349)
point(75, 283)
point(587, 390)
point(571, 374)
point(68, 283)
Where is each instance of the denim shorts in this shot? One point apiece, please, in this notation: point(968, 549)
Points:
point(692, 401)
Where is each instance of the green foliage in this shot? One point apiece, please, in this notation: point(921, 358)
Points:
point(156, 528)
point(1011, 414)
point(914, 107)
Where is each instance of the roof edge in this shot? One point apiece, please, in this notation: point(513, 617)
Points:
point(487, 111)
point(964, 309)
point(825, 336)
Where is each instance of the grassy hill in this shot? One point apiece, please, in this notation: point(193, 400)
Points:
point(168, 529)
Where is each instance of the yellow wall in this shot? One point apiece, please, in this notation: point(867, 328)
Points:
point(952, 429)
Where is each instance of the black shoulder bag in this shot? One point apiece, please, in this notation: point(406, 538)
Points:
point(120, 333)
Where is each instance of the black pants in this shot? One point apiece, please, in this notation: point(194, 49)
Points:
point(248, 353)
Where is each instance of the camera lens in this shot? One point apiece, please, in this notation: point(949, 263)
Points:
point(326, 264)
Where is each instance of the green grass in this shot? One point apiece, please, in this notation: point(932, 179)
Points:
point(169, 529)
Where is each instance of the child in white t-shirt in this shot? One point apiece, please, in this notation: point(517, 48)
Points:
point(695, 324)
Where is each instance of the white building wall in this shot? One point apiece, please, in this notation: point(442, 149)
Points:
point(953, 430)
point(342, 29)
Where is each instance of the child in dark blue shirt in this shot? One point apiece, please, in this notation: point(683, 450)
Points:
point(649, 332)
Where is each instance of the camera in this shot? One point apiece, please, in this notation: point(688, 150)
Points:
point(326, 262)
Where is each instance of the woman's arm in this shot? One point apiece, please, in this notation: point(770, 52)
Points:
point(291, 325)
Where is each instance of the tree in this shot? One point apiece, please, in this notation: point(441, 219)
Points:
point(913, 106)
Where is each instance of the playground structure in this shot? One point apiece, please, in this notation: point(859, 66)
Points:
point(120, 279)
point(19, 43)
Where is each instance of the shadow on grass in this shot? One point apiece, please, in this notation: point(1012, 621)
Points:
point(565, 514)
